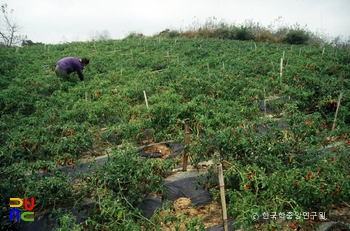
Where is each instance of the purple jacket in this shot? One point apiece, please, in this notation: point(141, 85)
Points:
point(72, 64)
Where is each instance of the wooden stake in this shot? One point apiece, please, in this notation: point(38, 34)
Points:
point(336, 112)
point(222, 196)
point(187, 142)
point(144, 94)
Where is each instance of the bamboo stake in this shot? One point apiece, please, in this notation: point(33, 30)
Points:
point(323, 51)
point(208, 69)
point(144, 94)
point(168, 56)
point(223, 65)
point(281, 68)
point(300, 51)
point(187, 141)
point(222, 195)
point(85, 91)
point(264, 101)
point(336, 112)
point(287, 62)
point(137, 91)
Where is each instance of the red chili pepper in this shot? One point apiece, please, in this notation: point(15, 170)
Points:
point(294, 224)
point(322, 187)
point(296, 186)
point(43, 169)
point(335, 193)
point(251, 175)
point(309, 122)
point(290, 159)
point(332, 159)
point(334, 149)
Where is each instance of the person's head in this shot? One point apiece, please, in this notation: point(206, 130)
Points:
point(85, 61)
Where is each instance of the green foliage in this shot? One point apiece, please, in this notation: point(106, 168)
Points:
point(174, 34)
point(243, 33)
point(219, 85)
point(133, 35)
point(297, 37)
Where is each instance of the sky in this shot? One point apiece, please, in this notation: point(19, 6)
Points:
point(57, 21)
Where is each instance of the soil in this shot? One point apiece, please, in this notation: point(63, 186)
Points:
point(210, 214)
point(159, 148)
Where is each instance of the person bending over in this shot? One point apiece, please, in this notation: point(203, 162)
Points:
point(66, 66)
